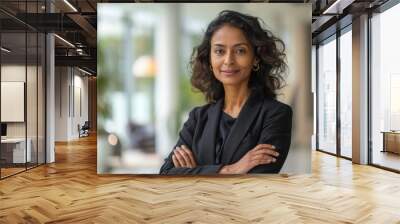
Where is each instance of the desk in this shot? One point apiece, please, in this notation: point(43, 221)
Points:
point(391, 141)
point(16, 148)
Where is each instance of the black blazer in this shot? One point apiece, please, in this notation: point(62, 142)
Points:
point(262, 120)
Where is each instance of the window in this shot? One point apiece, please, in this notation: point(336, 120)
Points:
point(346, 94)
point(327, 96)
point(385, 89)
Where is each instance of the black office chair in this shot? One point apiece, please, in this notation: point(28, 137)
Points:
point(84, 130)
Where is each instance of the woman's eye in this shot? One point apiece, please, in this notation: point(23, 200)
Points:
point(240, 51)
point(218, 51)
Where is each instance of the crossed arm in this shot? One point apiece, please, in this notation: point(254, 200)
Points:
point(259, 155)
point(276, 132)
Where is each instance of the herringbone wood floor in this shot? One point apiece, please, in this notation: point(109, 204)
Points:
point(70, 191)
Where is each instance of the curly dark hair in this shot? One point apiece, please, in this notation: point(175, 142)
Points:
point(269, 49)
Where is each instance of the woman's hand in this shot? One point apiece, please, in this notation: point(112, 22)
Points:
point(261, 154)
point(183, 157)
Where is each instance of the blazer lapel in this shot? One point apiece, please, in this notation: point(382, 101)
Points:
point(246, 117)
point(207, 149)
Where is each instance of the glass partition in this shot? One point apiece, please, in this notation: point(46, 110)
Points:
point(13, 106)
point(22, 77)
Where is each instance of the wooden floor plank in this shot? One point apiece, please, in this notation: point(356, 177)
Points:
point(70, 191)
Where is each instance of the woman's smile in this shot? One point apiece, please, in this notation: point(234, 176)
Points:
point(230, 72)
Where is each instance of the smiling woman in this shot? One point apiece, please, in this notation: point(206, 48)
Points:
point(243, 128)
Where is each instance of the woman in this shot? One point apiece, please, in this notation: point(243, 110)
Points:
point(243, 128)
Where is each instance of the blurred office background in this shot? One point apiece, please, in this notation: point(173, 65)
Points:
point(144, 91)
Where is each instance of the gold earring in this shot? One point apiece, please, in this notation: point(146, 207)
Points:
point(256, 67)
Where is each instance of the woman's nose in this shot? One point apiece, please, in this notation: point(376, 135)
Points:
point(229, 58)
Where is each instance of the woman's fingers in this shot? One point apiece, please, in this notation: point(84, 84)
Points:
point(263, 161)
point(263, 154)
point(175, 161)
point(265, 151)
point(185, 157)
point(190, 155)
point(264, 146)
point(264, 157)
point(179, 157)
point(260, 154)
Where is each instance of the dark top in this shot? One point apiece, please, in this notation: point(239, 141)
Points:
point(225, 125)
point(262, 120)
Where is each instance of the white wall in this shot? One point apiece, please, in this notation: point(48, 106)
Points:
point(71, 94)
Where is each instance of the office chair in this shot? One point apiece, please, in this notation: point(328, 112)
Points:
point(84, 130)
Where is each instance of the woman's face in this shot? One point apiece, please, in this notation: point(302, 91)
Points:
point(231, 56)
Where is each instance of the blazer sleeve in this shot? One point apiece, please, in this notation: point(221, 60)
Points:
point(276, 131)
point(186, 138)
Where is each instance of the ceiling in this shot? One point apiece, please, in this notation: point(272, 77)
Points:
point(76, 22)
